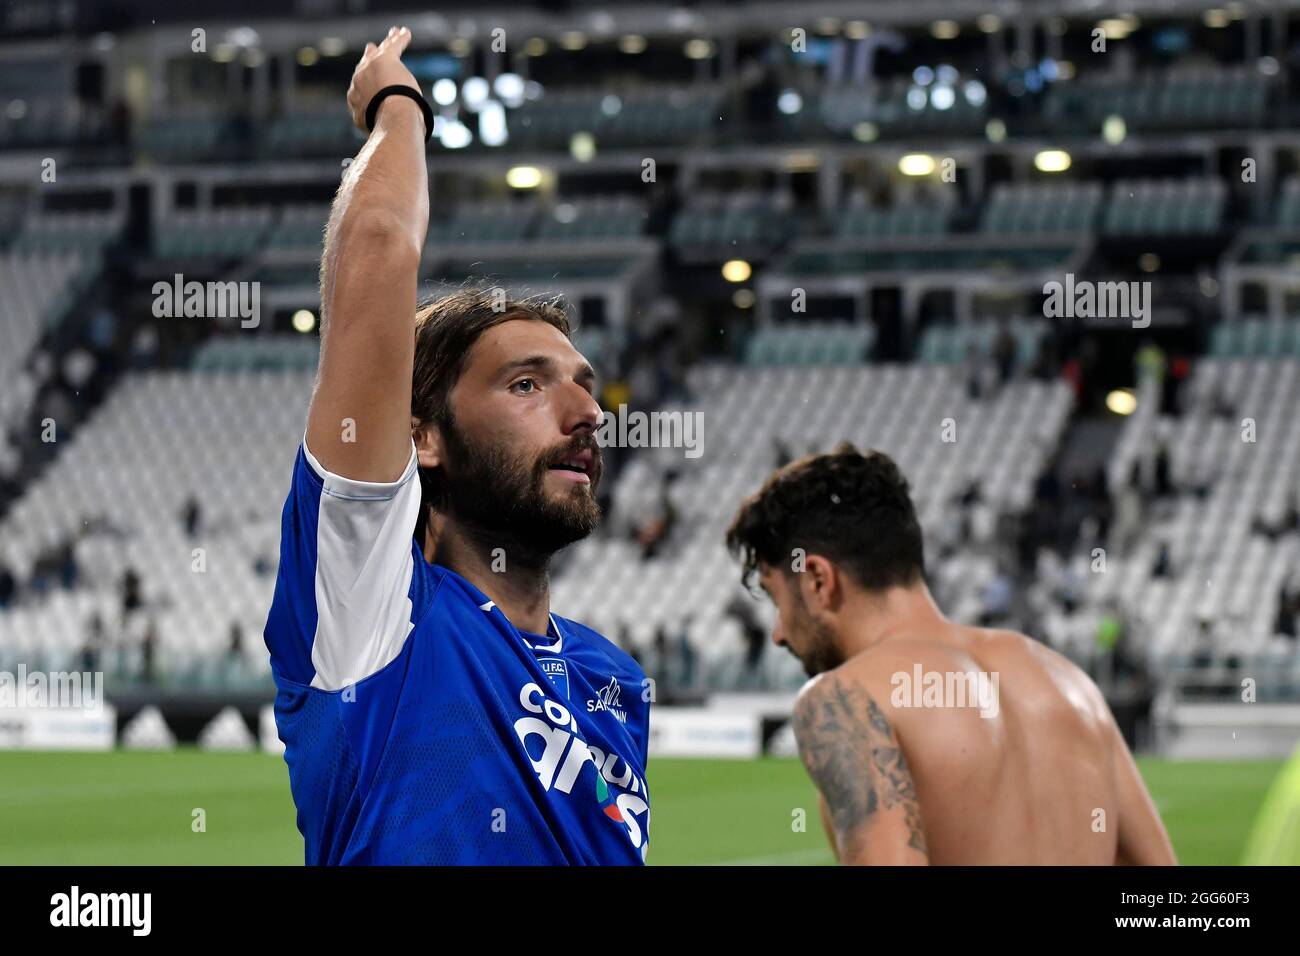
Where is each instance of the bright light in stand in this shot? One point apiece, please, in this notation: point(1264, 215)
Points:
point(916, 164)
point(789, 102)
point(1052, 161)
point(736, 270)
point(492, 124)
point(475, 93)
point(1122, 402)
point(509, 88)
point(455, 135)
point(524, 177)
point(444, 92)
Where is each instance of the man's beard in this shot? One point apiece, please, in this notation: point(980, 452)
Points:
point(819, 652)
point(505, 496)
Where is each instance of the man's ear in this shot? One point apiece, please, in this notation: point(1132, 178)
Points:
point(428, 443)
point(821, 584)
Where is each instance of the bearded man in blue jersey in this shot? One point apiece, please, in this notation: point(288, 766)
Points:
point(433, 709)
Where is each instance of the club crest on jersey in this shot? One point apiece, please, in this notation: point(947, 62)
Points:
point(607, 699)
point(557, 671)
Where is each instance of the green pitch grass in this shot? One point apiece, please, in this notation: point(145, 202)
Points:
point(137, 808)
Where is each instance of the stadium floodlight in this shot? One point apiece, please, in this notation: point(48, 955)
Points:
point(989, 23)
point(943, 97)
point(444, 92)
point(737, 270)
point(573, 40)
point(945, 29)
point(975, 91)
point(743, 298)
point(995, 130)
point(789, 102)
point(611, 105)
point(1115, 28)
point(1052, 161)
point(1121, 401)
point(509, 88)
point(332, 46)
point(536, 46)
point(632, 43)
point(524, 177)
point(492, 129)
point(916, 99)
point(1113, 130)
point(865, 132)
point(857, 29)
point(223, 52)
point(308, 56)
point(475, 93)
point(698, 48)
point(582, 146)
point(455, 134)
point(1215, 19)
point(916, 164)
point(304, 321)
point(923, 75)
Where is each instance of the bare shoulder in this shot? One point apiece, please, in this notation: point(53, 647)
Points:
point(849, 747)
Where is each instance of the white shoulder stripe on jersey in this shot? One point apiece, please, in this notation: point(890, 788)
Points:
point(363, 573)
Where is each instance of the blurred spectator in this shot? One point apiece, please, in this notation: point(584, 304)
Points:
point(652, 534)
point(132, 595)
point(1288, 609)
point(148, 650)
point(741, 608)
point(782, 455)
point(1203, 644)
point(1171, 396)
point(1163, 567)
point(94, 646)
point(1150, 365)
point(1004, 353)
point(997, 600)
point(8, 586)
point(1164, 482)
point(191, 516)
point(1126, 503)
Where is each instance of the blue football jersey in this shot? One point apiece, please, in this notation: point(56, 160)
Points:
point(419, 724)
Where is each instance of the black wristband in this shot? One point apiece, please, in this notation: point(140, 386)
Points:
point(373, 109)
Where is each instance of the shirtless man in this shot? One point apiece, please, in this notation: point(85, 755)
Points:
point(1035, 772)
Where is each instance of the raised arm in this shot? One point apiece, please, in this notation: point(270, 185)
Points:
point(855, 760)
point(359, 423)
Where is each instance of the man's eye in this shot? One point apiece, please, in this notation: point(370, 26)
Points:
point(524, 386)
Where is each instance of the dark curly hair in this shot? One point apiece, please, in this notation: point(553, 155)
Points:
point(851, 508)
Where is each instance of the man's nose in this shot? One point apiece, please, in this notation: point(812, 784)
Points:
point(582, 411)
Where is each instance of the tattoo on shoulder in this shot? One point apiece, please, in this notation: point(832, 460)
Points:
point(854, 757)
